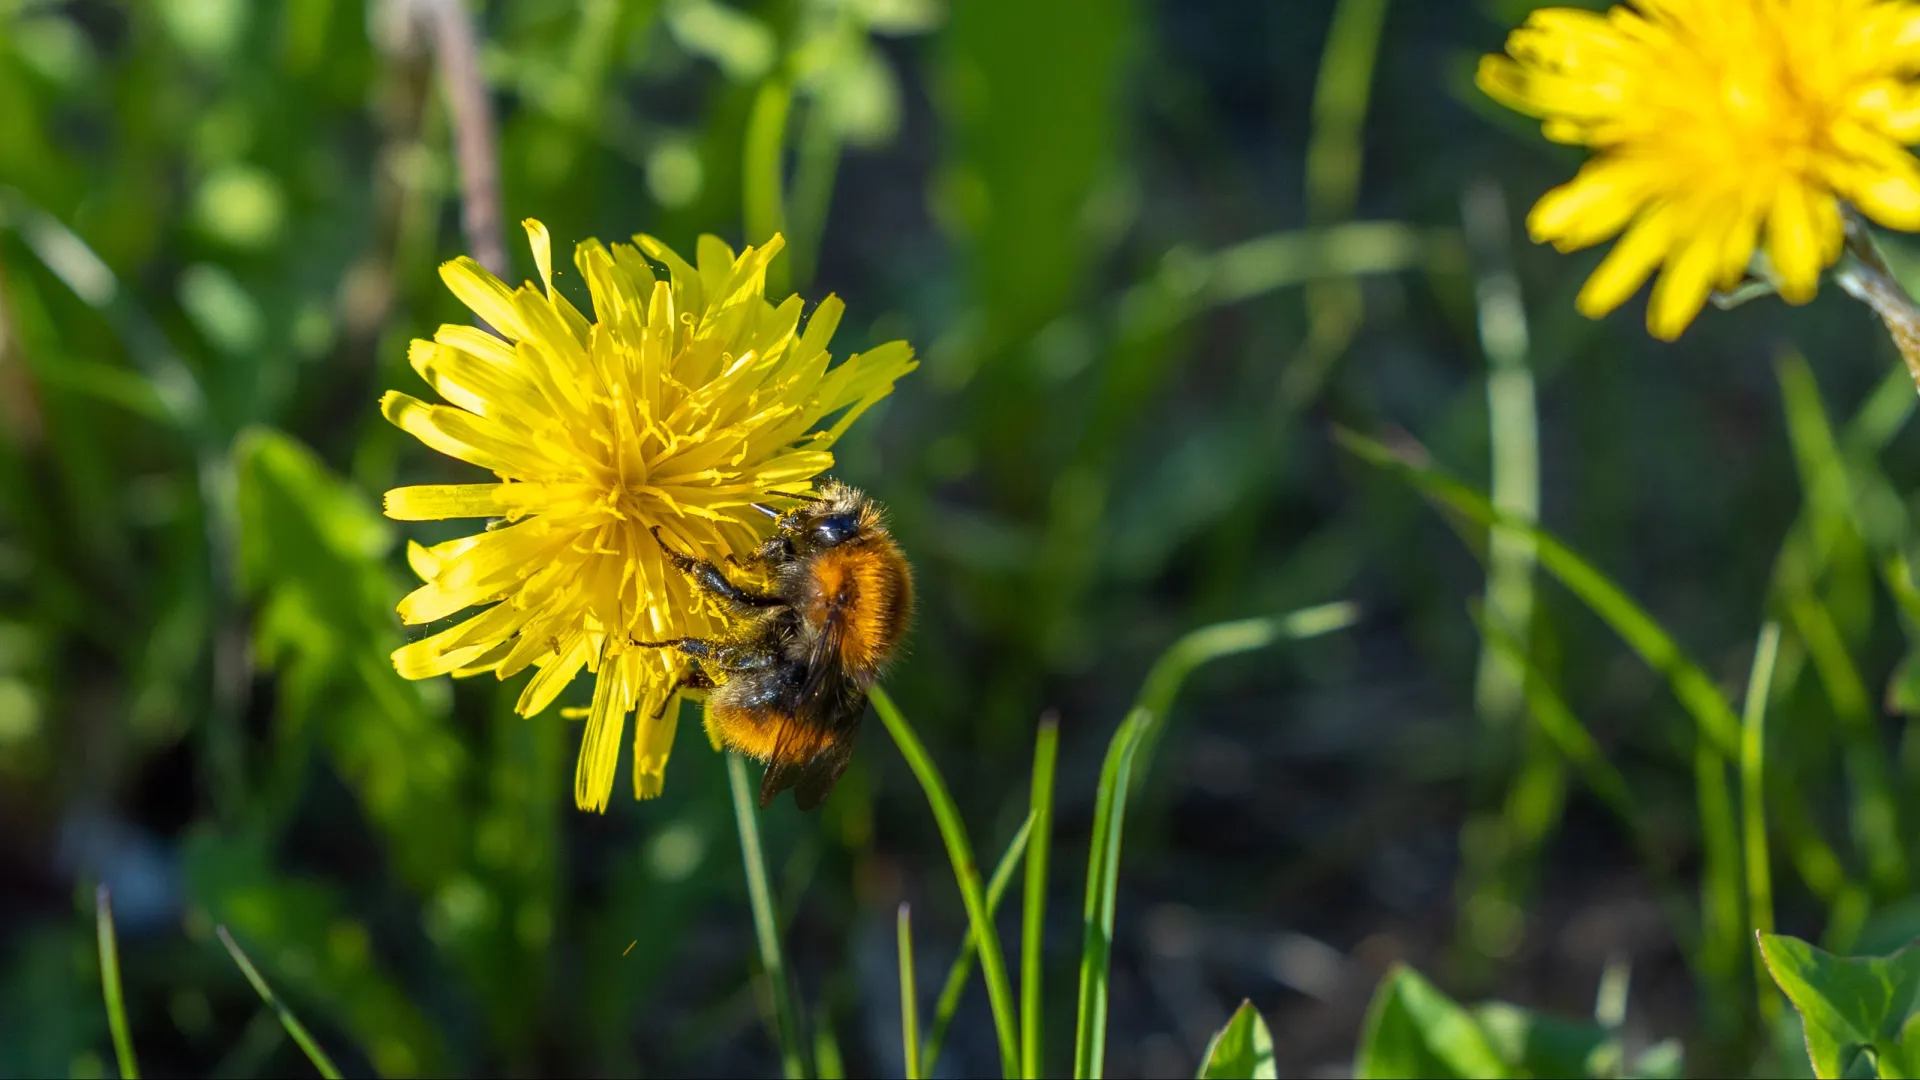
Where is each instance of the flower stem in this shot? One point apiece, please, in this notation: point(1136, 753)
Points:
point(1868, 279)
point(760, 896)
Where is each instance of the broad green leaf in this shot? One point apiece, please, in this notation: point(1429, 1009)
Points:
point(1243, 1050)
point(1859, 1011)
point(1540, 1046)
point(1414, 1030)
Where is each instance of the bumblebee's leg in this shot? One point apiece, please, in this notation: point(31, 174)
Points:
point(721, 656)
point(694, 678)
point(709, 578)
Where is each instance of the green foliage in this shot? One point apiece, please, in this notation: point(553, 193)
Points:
point(1415, 1030)
point(1412, 1029)
point(1149, 252)
point(312, 557)
point(1861, 1014)
point(1243, 1050)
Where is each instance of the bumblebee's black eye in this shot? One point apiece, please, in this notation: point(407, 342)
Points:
point(835, 529)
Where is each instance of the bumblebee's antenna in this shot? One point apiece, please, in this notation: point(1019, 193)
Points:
point(767, 510)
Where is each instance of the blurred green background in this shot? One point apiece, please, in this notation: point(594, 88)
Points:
point(1149, 252)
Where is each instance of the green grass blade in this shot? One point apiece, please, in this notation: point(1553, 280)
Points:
point(1046, 752)
point(110, 984)
point(1136, 732)
point(786, 1010)
point(763, 173)
point(909, 1009)
point(287, 1020)
point(1691, 685)
point(1834, 490)
point(993, 962)
point(1873, 813)
point(1753, 743)
point(1557, 722)
point(1718, 729)
point(962, 967)
point(1722, 938)
point(1498, 845)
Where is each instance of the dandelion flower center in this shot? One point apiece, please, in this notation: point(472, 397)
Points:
point(679, 405)
point(1720, 126)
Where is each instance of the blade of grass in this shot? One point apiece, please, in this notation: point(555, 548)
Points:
point(287, 1020)
point(1498, 847)
point(962, 967)
point(1557, 722)
point(1718, 729)
point(1874, 818)
point(1691, 685)
point(909, 1011)
point(993, 962)
point(786, 1011)
point(1753, 748)
point(1834, 493)
point(1046, 751)
point(763, 172)
point(1721, 936)
point(110, 984)
point(1136, 732)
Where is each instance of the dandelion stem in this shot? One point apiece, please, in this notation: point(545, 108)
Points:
point(760, 897)
point(1868, 279)
point(457, 49)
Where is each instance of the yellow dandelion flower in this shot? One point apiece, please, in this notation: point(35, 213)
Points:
point(679, 404)
point(1714, 120)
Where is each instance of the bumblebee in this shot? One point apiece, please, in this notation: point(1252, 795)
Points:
point(789, 687)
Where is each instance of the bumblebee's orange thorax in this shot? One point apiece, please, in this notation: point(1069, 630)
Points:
point(869, 589)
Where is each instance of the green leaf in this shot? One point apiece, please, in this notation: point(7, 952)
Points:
point(1414, 1030)
point(1243, 1050)
point(1858, 1011)
point(312, 559)
point(1540, 1046)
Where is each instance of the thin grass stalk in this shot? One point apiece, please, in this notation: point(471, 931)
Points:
point(1753, 744)
point(1046, 752)
point(909, 1009)
point(1690, 684)
point(110, 984)
point(793, 1059)
point(993, 962)
point(1722, 938)
point(962, 967)
point(1873, 813)
point(292, 1023)
point(1139, 730)
point(1493, 874)
point(763, 173)
point(1557, 722)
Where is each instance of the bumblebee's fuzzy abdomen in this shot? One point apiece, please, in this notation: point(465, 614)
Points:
point(758, 733)
point(869, 588)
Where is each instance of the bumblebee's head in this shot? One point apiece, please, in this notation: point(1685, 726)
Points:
point(839, 515)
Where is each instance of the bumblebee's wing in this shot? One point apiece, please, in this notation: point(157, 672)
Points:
point(819, 776)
